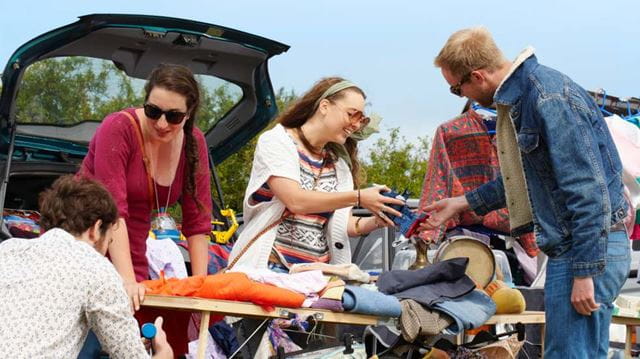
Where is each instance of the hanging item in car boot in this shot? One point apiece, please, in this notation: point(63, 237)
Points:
point(22, 223)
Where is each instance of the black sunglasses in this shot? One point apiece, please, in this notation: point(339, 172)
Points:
point(457, 88)
point(154, 112)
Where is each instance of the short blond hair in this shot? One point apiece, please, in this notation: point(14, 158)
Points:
point(468, 50)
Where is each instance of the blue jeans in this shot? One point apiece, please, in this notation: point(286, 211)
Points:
point(572, 335)
point(91, 347)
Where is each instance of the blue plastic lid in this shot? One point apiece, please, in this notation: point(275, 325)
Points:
point(167, 234)
point(148, 330)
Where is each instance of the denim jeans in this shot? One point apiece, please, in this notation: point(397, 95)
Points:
point(91, 347)
point(469, 311)
point(572, 335)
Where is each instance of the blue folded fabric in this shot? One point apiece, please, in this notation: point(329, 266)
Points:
point(364, 301)
point(431, 284)
point(469, 311)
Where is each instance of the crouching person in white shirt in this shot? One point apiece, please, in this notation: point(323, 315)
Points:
point(54, 288)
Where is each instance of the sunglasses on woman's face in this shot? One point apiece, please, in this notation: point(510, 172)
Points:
point(154, 112)
point(356, 117)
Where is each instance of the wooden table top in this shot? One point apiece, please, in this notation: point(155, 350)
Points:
point(245, 309)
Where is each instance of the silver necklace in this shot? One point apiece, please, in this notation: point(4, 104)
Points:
point(160, 209)
point(162, 221)
point(155, 187)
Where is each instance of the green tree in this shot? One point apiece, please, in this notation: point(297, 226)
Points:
point(61, 91)
point(214, 104)
point(399, 164)
point(123, 92)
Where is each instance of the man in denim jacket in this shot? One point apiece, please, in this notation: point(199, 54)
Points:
point(560, 176)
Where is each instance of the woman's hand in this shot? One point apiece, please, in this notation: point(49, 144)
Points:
point(371, 199)
point(381, 223)
point(135, 292)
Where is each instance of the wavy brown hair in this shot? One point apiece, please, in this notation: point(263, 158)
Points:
point(75, 204)
point(302, 109)
point(180, 79)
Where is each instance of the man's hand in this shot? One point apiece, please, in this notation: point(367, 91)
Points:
point(582, 297)
point(441, 211)
point(161, 348)
point(135, 292)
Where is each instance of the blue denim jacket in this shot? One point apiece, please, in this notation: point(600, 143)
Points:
point(572, 168)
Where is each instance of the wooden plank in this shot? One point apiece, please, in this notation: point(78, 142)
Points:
point(628, 344)
point(625, 320)
point(203, 337)
point(245, 309)
point(527, 317)
point(629, 324)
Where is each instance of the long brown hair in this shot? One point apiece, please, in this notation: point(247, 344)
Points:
point(180, 79)
point(302, 109)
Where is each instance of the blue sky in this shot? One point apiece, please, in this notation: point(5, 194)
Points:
point(388, 47)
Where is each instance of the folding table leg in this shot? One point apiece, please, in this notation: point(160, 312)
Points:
point(204, 334)
point(628, 342)
point(542, 329)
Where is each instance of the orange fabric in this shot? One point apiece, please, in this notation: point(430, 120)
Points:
point(181, 287)
point(475, 331)
point(226, 286)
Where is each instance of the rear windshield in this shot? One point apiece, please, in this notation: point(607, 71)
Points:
point(65, 91)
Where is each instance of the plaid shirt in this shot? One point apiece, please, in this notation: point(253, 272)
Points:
point(463, 157)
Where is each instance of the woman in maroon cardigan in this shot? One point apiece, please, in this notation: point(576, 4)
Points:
point(149, 158)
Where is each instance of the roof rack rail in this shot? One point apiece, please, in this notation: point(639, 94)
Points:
point(622, 106)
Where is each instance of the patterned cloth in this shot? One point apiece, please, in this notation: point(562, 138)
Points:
point(164, 255)
point(463, 157)
point(301, 238)
point(626, 137)
point(22, 223)
point(53, 289)
point(218, 257)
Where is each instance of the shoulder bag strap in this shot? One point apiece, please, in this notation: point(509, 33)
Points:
point(145, 159)
point(285, 214)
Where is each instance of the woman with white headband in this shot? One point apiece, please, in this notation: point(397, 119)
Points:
point(305, 180)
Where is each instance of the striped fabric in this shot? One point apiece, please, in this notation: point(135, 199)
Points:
point(301, 237)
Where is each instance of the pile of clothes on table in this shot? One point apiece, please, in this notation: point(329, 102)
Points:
point(437, 299)
point(442, 299)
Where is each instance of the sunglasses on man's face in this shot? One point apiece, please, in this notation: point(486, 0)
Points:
point(154, 112)
point(457, 88)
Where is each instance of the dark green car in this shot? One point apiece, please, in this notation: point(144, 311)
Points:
point(57, 88)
